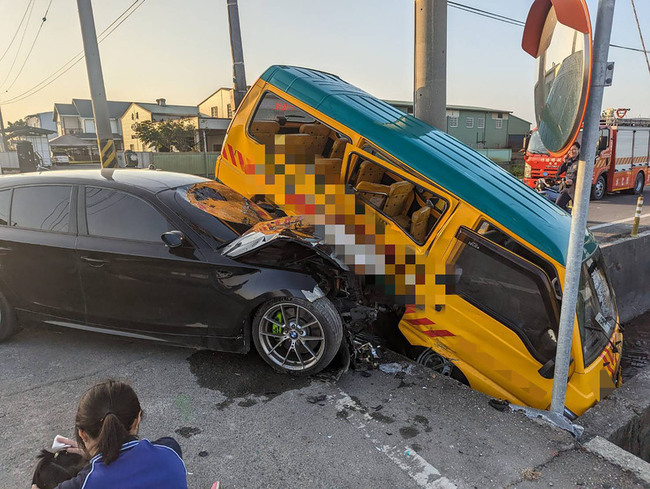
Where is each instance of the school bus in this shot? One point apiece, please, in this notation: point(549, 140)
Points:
point(469, 259)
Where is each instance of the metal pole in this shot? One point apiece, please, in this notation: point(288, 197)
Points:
point(581, 203)
point(3, 138)
point(105, 141)
point(430, 90)
point(239, 75)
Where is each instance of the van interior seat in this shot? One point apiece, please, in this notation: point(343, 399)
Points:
point(398, 196)
point(298, 144)
point(338, 148)
point(330, 167)
point(264, 131)
point(419, 223)
point(369, 172)
point(374, 193)
point(320, 135)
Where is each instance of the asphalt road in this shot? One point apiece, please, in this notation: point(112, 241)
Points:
point(242, 424)
point(612, 217)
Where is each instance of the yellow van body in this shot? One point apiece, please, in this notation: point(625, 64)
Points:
point(474, 258)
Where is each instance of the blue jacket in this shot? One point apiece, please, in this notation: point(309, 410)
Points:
point(141, 464)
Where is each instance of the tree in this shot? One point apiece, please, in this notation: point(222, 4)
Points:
point(166, 134)
point(18, 123)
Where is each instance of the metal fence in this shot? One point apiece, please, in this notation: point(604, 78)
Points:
point(202, 164)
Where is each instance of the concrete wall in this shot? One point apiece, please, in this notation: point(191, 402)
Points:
point(628, 267)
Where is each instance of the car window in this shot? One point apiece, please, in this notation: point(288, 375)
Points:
point(511, 290)
point(412, 207)
point(44, 207)
point(115, 214)
point(5, 203)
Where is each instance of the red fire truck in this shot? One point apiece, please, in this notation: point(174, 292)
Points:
point(622, 158)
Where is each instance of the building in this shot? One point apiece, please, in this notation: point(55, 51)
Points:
point(480, 127)
point(77, 119)
point(221, 104)
point(43, 120)
point(158, 112)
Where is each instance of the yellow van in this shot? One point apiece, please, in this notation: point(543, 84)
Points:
point(469, 260)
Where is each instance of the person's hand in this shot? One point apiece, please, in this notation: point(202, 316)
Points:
point(74, 446)
point(569, 183)
point(34, 486)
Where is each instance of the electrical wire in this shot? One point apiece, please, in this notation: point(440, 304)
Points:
point(640, 35)
point(32, 46)
point(15, 33)
point(485, 13)
point(77, 58)
point(22, 38)
point(628, 48)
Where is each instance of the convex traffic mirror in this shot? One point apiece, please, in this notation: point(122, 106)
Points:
point(558, 35)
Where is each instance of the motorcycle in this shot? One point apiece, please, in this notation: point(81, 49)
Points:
point(551, 190)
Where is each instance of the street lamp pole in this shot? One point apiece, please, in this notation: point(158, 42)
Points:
point(239, 75)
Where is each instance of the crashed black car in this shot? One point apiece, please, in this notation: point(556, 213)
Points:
point(167, 257)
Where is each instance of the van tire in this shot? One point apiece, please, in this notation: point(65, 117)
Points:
point(8, 320)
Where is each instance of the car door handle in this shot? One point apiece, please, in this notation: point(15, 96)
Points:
point(94, 262)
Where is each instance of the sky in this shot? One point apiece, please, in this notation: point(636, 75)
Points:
point(180, 51)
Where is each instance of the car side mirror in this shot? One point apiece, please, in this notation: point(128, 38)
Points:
point(173, 239)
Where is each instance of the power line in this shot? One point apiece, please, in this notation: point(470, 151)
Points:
point(77, 58)
point(485, 13)
point(22, 38)
point(628, 48)
point(32, 46)
point(15, 33)
point(640, 35)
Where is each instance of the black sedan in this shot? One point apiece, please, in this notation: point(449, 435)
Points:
point(166, 257)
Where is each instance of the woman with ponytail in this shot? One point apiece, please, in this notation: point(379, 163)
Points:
point(106, 426)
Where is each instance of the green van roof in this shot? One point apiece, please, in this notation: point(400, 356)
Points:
point(433, 153)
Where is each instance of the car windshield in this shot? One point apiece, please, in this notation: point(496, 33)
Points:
point(218, 201)
point(596, 309)
point(535, 144)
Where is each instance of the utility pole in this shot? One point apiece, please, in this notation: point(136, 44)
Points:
point(105, 141)
point(601, 77)
point(430, 90)
point(3, 139)
point(239, 75)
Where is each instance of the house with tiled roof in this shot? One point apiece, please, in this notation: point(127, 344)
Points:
point(77, 119)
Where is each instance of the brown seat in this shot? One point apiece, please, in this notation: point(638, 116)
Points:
point(398, 195)
point(330, 167)
point(264, 131)
point(319, 134)
point(419, 221)
point(338, 148)
point(373, 193)
point(369, 172)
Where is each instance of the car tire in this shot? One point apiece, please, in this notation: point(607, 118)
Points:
point(599, 188)
point(8, 321)
point(296, 336)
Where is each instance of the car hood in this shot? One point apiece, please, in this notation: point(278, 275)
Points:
point(293, 228)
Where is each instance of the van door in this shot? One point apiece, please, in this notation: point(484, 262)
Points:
point(509, 316)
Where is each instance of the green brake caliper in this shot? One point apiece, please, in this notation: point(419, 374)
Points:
point(277, 329)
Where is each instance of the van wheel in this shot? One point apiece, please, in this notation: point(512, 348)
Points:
point(8, 321)
point(296, 336)
point(598, 190)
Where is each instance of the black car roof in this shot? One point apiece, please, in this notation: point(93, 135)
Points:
point(151, 180)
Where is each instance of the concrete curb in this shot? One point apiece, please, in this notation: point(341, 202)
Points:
point(628, 268)
point(621, 458)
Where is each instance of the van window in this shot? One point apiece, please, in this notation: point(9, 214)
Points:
point(113, 214)
point(412, 207)
point(5, 203)
point(45, 207)
point(511, 290)
point(304, 136)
